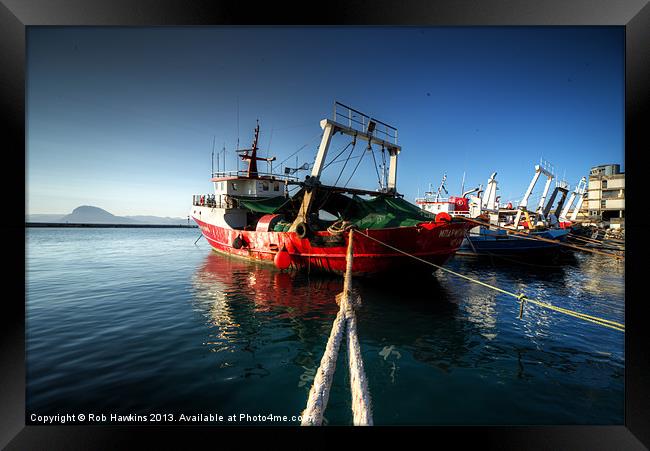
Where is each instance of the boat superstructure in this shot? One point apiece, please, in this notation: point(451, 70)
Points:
point(579, 193)
point(471, 204)
point(540, 223)
point(493, 238)
point(435, 203)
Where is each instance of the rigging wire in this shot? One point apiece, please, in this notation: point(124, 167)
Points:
point(372, 151)
point(301, 148)
point(338, 155)
point(341, 161)
point(354, 144)
point(329, 193)
point(358, 163)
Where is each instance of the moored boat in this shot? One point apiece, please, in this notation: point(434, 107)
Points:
point(507, 234)
point(251, 214)
point(488, 242)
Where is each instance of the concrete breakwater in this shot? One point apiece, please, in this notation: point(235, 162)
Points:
point(66, 224)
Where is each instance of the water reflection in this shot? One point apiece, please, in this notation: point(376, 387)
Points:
point(231, 279)
point(533, 263)
point(250, 306)
point(245, 337)
point(419, 319)
point(239, 297)
point(244, 302)
point(596, 274)
point(585, 282)
point(519, 270)
point(263, 323)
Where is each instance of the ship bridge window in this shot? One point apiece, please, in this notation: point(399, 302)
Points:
point(265, 186)
point(276, 186)
point(233, 186)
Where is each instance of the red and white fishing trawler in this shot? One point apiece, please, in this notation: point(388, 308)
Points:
point(251, 214)
point(453, 206)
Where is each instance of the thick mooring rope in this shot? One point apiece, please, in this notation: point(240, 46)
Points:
point(361, 410)
point(348, 300)
point(320, 391)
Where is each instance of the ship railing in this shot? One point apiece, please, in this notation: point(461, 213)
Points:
point(547, 166)
point(244, 173)
point(432, 199)
point(207, 200)
point(362, 122)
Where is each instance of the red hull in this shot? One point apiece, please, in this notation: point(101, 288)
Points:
point(434, 242)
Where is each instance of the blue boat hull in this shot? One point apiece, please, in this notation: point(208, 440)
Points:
point(491, 243)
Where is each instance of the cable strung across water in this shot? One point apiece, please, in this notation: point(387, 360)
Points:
point(522, 299)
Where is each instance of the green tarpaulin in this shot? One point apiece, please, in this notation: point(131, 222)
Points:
point(263, 205)
point(382, 212)
point(376, 213)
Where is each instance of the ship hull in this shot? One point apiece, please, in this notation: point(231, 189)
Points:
point(509, 245)
point(323, 251)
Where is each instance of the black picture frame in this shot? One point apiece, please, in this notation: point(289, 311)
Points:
point(16, 15)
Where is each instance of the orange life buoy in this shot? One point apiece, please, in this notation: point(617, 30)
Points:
point(282, 259)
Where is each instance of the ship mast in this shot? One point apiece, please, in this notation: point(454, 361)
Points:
point(442, 187)
point(253, 158)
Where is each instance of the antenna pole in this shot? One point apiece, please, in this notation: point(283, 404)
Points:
point(212, 167)
point(462, 185)
point(236, 156)
point(224, 156)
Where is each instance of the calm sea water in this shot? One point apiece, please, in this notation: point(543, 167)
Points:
point(142, 321)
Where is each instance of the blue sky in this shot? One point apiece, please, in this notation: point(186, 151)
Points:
point(124, 118)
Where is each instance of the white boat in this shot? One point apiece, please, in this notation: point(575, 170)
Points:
point(495, 239)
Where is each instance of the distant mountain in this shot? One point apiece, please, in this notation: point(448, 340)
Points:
point(87, 214)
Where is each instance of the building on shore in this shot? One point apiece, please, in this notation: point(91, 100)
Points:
point(606, 195)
